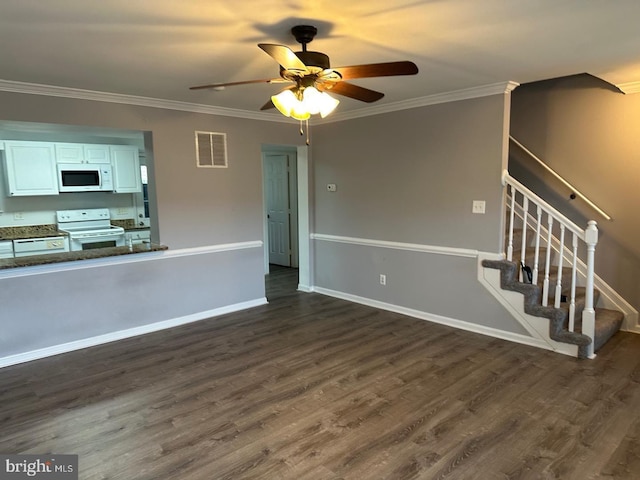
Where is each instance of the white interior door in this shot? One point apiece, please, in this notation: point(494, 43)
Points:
point(277, 199)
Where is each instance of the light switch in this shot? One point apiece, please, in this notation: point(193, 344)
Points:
point(331, 187)
point(478, 206)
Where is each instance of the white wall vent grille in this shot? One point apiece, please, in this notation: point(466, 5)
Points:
point(211, 150)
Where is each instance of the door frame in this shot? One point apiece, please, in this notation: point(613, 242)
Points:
point(291, 218)
point(304, 246)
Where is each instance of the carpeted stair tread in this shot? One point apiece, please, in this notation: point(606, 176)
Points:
point(608, 322)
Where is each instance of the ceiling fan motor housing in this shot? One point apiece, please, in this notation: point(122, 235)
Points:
point(314, 59)
point(304, 34)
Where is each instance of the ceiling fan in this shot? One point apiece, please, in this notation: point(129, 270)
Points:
point(312, 77)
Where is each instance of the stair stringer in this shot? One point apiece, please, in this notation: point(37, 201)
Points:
point(513, 302)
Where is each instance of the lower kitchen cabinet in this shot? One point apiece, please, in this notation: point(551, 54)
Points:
point(6, 249)
point(137, 237)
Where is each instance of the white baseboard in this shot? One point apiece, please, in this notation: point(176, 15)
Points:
point(128, 333)
point(431, 317)
point(305, 288)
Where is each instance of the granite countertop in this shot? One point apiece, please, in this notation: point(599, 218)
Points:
point(51, 230)
point(129, 224)
point(80, 255)
point(134, 229)
point(30, 231)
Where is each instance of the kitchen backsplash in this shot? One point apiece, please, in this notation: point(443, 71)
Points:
point(127, 224)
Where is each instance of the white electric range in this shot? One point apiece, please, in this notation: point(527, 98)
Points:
point(89, 229)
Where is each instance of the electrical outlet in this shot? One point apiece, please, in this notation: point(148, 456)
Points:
point(18, 216)
point(383, 279)
point(478, 206)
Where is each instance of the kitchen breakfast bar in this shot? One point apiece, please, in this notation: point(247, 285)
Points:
point(34, 260)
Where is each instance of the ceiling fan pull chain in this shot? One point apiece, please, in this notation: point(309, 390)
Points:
point(302, 129)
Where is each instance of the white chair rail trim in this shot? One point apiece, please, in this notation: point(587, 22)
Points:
point(413, 247)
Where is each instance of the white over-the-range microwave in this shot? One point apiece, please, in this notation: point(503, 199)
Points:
point(85, 177)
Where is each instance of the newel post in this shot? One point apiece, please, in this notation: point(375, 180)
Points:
point(589, 313)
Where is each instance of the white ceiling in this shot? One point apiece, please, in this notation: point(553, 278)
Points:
point(159, 48)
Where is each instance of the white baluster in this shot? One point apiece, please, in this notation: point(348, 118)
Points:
point(523, 246)
point(511, 218)
point(589, 313)
point(560, 259)
point(547, 264)
point(536, 257)
point(574, 265)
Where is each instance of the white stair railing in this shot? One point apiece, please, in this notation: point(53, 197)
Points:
point(528, 211)
point(575, 191)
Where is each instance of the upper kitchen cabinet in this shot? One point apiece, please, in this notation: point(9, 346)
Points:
point(82, 153)
point(30, 168)
point(126, 169)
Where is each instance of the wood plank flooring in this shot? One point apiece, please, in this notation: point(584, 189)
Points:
point(311, 387)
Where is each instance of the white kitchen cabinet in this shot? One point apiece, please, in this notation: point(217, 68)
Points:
point(96, 153)
point(30, 168)
point(6, 249)
point(69, 153)
point(82, 153)
point(137, 237)
point(126, 169)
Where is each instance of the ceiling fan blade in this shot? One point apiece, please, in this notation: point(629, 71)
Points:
point(231, 84)
point(354, 91)
point(268, 105)
point(284, 56)
point(387, 69)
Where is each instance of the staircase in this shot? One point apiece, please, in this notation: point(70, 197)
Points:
point(560, 293)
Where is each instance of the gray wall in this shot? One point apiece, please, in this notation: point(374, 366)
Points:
point(406, 177)
point(411, 177)
point(195, 207)
point(44, 310)
point(586, 131)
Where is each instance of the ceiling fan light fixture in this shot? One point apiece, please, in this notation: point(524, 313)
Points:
point(285, 102)
point(299, 112)
point(312, 100)
point(329, 104)
point(302, 103)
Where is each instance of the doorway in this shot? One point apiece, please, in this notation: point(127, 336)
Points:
point(286, 213)
point(281, 202)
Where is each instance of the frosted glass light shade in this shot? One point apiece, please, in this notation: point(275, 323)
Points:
point(299, 112)
point(328, 104)
point(313, 102)
point(285, 102)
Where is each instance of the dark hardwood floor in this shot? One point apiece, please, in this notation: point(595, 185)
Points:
point(311, 387)
point(281, 282)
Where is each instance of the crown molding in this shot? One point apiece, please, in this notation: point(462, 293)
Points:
point(500, 88)
point(80, 94)
point(629, 87)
